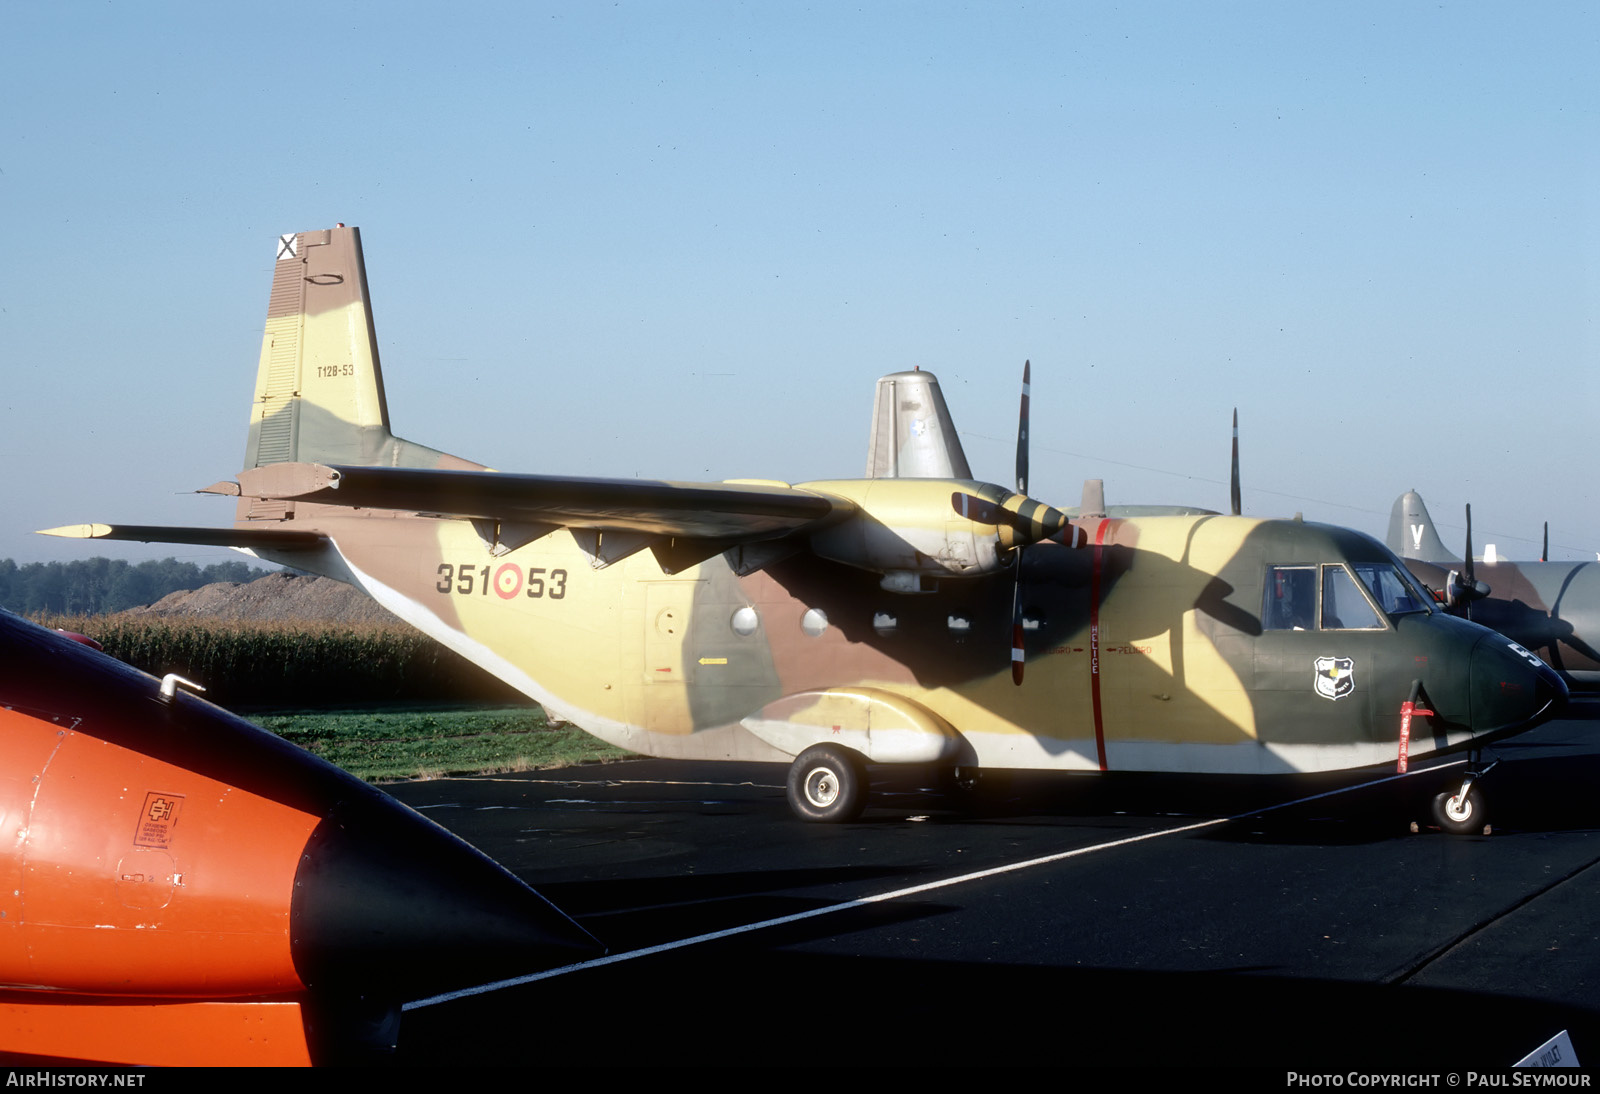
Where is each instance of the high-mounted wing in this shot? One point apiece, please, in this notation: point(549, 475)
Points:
point(721, 511)
point(320, 450)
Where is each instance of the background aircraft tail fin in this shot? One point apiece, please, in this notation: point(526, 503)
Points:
point(319, 388)
point(1412, 534)
point(913, 436)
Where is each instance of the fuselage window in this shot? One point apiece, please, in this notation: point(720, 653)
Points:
point(745, 621)
point(1290, 603)
point(1343, 606)
point(814, 622)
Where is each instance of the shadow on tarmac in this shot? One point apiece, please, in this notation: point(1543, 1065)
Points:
point(708, 1008)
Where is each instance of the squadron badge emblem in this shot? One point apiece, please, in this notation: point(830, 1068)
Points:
point(1335, 676)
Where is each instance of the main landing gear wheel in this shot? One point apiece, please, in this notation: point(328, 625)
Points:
point(1460, 814)
point(827, 784)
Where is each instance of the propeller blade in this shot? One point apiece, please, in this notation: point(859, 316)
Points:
point(1471, 574)
point(1021, 519)
point(1238, 509)
point(976, 509)
point(1022, 431)
point(1544, 552)
point(1018, 653)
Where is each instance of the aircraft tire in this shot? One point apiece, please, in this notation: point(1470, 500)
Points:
point(1457, 816)
point(827, 784)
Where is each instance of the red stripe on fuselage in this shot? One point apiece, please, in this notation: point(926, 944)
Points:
point(1094, 641)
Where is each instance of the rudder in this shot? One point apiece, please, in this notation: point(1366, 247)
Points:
point(913, 436)
point(1412, 534)
point(319, 386)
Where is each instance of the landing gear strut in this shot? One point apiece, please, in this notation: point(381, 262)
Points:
point(1461, 811)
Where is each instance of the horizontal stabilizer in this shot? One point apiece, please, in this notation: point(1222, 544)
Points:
point(722, 511)
point(252, 538)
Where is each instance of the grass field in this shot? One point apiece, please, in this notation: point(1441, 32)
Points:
point(416, 710)
point(427, 741)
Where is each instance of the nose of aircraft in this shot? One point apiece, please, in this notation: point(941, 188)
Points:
point(388, 903)
point(1511, 689)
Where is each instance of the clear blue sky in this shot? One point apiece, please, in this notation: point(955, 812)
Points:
point(681, 240)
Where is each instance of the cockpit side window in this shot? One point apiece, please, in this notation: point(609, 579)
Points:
point(1294, 595)
point(1290, 602)
point(1343, 606)
point(1390, 588)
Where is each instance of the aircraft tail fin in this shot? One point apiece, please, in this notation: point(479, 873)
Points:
point(1412, 534)
point(319, 388)
point(913, 436)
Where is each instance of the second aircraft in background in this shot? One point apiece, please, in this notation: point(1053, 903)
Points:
point(1552, 608)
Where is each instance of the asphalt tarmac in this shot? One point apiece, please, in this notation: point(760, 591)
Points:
point(1145, 920)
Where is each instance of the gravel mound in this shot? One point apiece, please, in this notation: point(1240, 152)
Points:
point(279, 597)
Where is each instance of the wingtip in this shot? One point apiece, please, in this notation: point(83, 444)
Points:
point(77, 531)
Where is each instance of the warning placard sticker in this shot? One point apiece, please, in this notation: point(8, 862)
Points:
point(157, 820)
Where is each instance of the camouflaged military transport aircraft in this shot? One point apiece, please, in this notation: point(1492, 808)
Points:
point(1552, 608)
point(840, 623)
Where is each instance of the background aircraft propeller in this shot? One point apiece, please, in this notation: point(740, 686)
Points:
point(1465, 587)
point(1234, 478)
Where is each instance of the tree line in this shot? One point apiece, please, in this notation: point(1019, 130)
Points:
point(99, 586)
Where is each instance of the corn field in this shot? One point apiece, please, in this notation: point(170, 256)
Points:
point(291, 664)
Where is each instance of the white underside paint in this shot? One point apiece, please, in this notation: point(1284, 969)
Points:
point(1020, 751)
point(880, 746)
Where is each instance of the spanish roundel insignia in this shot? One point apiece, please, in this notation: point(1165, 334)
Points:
point(1335, 676)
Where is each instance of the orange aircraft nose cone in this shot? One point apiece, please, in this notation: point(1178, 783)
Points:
point(166, 848)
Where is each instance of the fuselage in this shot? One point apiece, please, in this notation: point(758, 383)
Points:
point(1157, 646)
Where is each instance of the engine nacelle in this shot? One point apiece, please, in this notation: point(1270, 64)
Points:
point(915, 531)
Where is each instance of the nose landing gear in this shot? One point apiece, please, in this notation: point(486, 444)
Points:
point(1461, 811)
